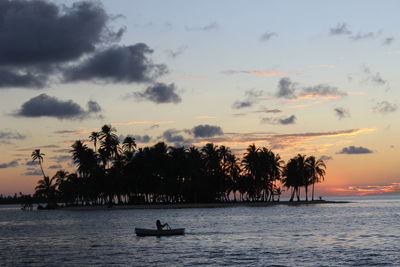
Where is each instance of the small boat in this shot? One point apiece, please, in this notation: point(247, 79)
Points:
point(155, 232)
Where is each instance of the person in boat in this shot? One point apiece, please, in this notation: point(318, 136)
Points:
point(160, 226)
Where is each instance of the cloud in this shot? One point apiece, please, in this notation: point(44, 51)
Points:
point(251, 98)
point(373, 77)
point(61, 158)
point(267, 36)
point(341, 113)
point(388, 40)
point(326, 158)
point(48, 106)
point(31, 163)
point(340, 29)
point(207, 131)
point(37, 32)
point(208, 27)
point(129, 64)
point(281, 141)
point(268, 111)
point(176, 53)
point(138, 138)
point(55, 166)
point(321, 91)
point(385, 107)
point(362, 35)
point(93, 106)
point(355, 150)
point(171, 135)
point(369, 189)
point(15, 79)
point(8, 135)
point(343, 29)
point(33, 173)
point(282, 121)
point(268, 73)
point(286, 89)
point(242, 104)
point(160, 93)
point(37, 37)
point(9, 164)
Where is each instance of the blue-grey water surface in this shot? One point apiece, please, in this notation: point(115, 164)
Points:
point(365, 232)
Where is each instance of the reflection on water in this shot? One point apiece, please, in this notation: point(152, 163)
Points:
point(362, 233)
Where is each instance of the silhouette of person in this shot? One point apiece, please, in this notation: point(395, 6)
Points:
point(160, 226)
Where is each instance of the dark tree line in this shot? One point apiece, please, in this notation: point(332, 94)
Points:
point(120, 173)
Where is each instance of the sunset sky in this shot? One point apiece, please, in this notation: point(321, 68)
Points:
point(311, 77)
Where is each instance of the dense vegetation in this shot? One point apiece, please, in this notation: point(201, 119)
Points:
point(118, 173)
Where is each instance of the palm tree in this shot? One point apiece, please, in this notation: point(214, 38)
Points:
point(94, 137)
point(316, 171)
point(109, 142)
point(46, 188)
point(37, 155)
point(129, 144)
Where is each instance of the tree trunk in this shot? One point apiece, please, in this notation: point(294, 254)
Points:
point(312, 194)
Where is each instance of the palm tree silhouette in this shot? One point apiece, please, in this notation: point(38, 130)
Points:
point(37, 155)
point(94, 137)
point(316, 170)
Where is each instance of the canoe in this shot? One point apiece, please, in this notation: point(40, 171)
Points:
point(155, 232)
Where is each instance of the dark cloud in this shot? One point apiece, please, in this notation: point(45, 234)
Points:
point(15, 79)
point(138, 138)
point(37, 32)
point(326, 158)
point(33, 173)
point(93, 106)
point(171, 135)
point(208, 27)
point(340, 29)
point(31, 163)
point(251, 98)
point(44, 105)
point(9, 164)
point(355, 150)
point(8, 135)
point(322, 90)
point(61, 158)
point(160, 93)
point(388, 40)
point(55, 166)
point(282, 121)
point(129, 64)
point(288, 120)
point(286, 89)
point(38, 37)
point(341, 113)
point(267, 36)
point(242, 104)
point(268, 111)
point(373, 77)
point(176, 53)
point(362, 35)
point(385, 107)
point(207, 131)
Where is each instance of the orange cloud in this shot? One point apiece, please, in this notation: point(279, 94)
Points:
point(279, 141)
point(269, 73)
point(368, 189)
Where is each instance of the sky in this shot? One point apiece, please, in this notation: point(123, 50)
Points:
point(311, 77)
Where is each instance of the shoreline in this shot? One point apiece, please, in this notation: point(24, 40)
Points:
point(202, 205)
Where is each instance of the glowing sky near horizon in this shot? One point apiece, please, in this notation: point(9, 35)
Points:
point(311, 77)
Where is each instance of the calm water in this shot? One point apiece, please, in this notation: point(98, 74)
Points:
point(363, 233)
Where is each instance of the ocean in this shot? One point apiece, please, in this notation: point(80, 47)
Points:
point(365, 232)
